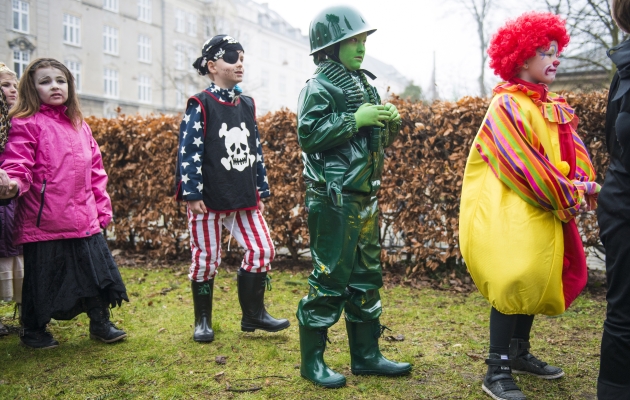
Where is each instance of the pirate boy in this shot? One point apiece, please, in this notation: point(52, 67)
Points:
point(221, 175)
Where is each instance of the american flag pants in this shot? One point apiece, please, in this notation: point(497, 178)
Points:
point(249, 229)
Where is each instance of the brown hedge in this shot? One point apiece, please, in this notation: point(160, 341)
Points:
point(419, 198)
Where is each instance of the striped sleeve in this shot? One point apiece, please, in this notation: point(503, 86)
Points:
point(508, 144)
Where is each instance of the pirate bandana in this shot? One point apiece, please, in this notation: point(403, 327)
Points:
point(220, 46)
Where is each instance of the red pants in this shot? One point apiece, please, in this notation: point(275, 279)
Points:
point(247, 227)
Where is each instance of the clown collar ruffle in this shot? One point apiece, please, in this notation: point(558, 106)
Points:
point(555, 109)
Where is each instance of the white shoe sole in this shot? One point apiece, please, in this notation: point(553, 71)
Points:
point(548, 377)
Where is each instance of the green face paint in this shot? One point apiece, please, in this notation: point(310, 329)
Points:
point(352, 51)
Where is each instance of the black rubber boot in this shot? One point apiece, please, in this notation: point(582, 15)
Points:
point(365, 355)
point(251, 295)
point(3, 330)
point(37, 338)
point(313, 367)
point(101, 328)
point(523, 362)
point(499, 383)
point(202, 299)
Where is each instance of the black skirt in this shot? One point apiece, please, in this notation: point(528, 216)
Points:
point(59, 275)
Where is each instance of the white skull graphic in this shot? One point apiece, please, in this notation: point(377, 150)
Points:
point(237, 147)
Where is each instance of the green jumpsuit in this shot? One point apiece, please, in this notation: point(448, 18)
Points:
point(342, 170)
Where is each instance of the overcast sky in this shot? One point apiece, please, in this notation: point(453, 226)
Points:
point(409, 31)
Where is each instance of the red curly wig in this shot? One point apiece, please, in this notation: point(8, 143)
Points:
point(517, 41)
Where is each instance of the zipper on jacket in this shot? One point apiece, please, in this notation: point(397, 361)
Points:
point(41, 207)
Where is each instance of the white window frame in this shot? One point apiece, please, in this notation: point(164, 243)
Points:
point(110, 83)
point(191, 24)
point(144, 49)
point(71, 30)
point(282, 84)
point(21, 58)
point(192, 57)
point(75, 68)
point(111, 5)
point(144, 89)
point(20, 15)
point(144, 10)
point(264, 78)
point(180, 20)
point(110, 40)
point(180, 56)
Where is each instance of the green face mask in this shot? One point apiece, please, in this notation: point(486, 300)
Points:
point(352, 51)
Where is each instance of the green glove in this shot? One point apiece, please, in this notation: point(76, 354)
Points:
point(392, 109)
point(371, 115)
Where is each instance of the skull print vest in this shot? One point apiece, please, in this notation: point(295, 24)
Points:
point(229, 166)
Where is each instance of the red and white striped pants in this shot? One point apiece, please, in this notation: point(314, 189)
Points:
point(247, 227)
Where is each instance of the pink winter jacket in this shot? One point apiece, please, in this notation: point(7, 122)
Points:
point(59, 171)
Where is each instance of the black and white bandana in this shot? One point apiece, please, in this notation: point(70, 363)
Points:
point(220, 46)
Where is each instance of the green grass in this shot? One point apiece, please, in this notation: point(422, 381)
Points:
point(445, 337)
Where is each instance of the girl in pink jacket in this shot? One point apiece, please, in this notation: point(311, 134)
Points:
point(57, 174)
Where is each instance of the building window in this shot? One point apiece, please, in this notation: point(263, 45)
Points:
point(180, 97)
point(75, 69)
point(20, 16)
point(180, 56)
point(192, 57)
point(71, 30)
point(191, 24)
point(110, 40)
point(20, 61)
point(144, 48)
point(144, 10)
point(110, 82)
point(282, 54)
point(110, 5)
point(180, 20)
point(298, 60)
point(144, 88)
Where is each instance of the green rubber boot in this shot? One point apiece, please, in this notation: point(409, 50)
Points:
point(366, 358)
point(313, 367)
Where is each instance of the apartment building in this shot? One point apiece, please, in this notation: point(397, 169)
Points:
point(136, 55)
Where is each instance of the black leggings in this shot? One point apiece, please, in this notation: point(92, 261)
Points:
point(504, 327)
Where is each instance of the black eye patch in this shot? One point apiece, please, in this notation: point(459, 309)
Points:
point(231, 57)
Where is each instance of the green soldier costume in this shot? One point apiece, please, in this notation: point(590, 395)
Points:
point(343, 130)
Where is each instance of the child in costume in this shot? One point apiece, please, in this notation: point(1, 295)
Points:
point(527, 175)
point(221, 175)
point(614, 225)
point(57, 174)
point(11, 260)
point(343, 130)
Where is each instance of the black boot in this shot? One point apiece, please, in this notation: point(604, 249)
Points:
point(101, 328)
point(37, 338)
point(498, 382)
point(251, 295)
point(202, 298)
point(523, 362)
point(365, 355)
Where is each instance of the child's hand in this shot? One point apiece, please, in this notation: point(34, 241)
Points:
point(392, 109)
point(10, 192)
point(261, 206)
point(371, 115)
point(197, 207)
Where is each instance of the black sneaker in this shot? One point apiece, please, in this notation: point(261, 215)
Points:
point(523, 362)
point(498, 382)
point(38, 339)
point(106, 331)
point(528, 364)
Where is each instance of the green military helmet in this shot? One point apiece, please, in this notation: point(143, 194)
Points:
point(334, 24)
